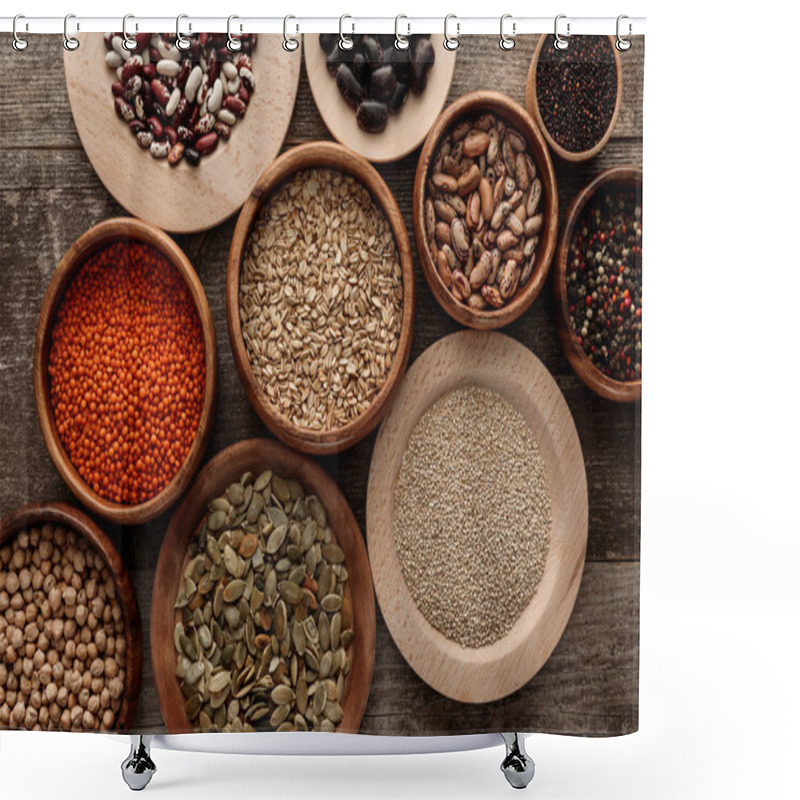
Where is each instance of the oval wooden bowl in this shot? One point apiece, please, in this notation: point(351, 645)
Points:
point(334, 156)
point(497, 362)
point(257, 455)
point(470, 105)
point(102, 234)
point(594, 378)
point(69, 517)
point(532, 104)
point(181, 199)
point(405, 130)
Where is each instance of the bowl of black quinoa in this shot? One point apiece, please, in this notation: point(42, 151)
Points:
point(598, 284)
point(574, 94)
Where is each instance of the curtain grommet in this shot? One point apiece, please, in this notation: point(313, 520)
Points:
point(129, 42)
point(290, 44)
point(451, 42)
point(18, 43)
point(623, 43)
point(183, 43)
point(507, 42)
point(400, 40)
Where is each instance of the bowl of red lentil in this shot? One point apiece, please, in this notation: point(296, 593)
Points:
point(72, 659)
point(574, 95)
point(125, 366)
point(598, 284)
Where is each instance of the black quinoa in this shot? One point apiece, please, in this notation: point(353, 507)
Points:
point(604, 282)
point(577, 90)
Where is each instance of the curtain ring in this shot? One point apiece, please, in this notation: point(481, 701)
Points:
point(561, 42)
point(70, 42)
point(290, 44)
point(345, 42)
point(181, 42)
point(129, 42)
point(18, 43)
point(401, 42)
point(451, 42)
point(507, 42)
point(622, 43)
point(234, 42)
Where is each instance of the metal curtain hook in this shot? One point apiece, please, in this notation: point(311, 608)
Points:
point(346, 42)
point(70, 42)
point(622, 43)
point(401, 42)
point(451, 42)
point(290, 44)
point(561, 42)
point(234, 42)
point(18, 43)
point(129, 42)
point(181, 42)
point(507, 42)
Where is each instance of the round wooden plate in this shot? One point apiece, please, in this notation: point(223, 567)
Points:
point(497, 362)
point(181, 199)
point(405, 130)
point(257, 455)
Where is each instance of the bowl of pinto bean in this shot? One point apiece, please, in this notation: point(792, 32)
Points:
point(485, 210)
point(125, 364)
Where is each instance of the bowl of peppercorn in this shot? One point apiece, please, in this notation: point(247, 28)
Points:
point(598, 284)
point(125, 364)
point(574, 94)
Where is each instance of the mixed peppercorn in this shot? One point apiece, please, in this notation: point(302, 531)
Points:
point(127, 372)
point(576, 90)
point(604, 282)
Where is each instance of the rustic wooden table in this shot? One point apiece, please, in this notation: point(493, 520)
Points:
point(50, 195)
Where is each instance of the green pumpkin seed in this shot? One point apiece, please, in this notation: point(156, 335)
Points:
point(217, 520)
point(233, 591)
point(263, 480)
point(291, 592)
point(331, 602)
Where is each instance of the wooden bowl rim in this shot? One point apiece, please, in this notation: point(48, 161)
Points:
point(492, 672)
point(592, 376)
point(468, 105)
point(308, 156)
point(266, 452)
point(532, 104)
point(64, 514)
point(98, 236)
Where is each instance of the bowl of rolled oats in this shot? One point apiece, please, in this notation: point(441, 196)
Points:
point(320, 297)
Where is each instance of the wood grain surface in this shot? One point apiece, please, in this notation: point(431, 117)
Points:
point(49, 195)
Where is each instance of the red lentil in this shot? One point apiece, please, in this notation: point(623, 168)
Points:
point(127, 371)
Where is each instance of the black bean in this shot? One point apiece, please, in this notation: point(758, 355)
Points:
point(371, 116)
point(348, 85)
point(327, 41)
point(385, 40)
point(398, 97)
point(338, 56)
point(360, 68)
point(372, 51)
point(382, 84)
point(422, 61)
point(192, 156)
point(401, 61)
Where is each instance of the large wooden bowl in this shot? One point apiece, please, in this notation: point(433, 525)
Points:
point(181, 199)
point(333, 156)
point(594, 378)
point(532, 103)
point(102, 234)
point(257, 455)
point(62, 514)
point(499, 363)
point(470, 105)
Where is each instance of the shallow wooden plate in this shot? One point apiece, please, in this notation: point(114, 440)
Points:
point(497, 362)
point(181, 199)
point(405, 130)
point(257, 455)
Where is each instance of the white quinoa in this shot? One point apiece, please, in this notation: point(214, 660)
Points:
point(472, 515)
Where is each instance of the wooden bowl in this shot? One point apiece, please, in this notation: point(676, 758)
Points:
point(102, 234)
point(470, 105)
point(532, 104)
point(334, 156)
point(405, 130)
point(69, 517)
point(257, 455)
point(499, 363)
point(181, 199)
point(594, 378)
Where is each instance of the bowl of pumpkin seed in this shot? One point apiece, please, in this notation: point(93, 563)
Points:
point(263, 611)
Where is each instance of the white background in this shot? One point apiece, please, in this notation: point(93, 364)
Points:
point(720, 618)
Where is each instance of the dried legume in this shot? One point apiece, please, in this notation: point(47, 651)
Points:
point(127, 371)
